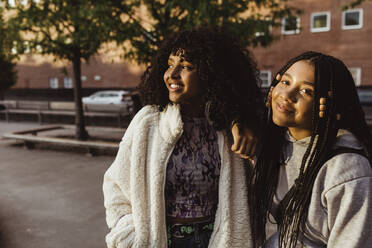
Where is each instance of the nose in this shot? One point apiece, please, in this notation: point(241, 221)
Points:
point(289, 94)
point(175, 72)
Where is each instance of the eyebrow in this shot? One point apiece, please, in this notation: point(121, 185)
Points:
point(290, 76)
point(183, 59)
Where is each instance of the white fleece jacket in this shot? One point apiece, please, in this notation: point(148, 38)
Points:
point(340, 211)
point(134, 186)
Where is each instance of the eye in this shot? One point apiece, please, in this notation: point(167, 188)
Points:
point(170, 66)
point(187, 67)
point(309, 92)
point(285, 82)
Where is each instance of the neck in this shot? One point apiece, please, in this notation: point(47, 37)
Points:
point(191, 110)
point(298, 133)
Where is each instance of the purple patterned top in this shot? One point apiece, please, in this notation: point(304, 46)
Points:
point(191, 187)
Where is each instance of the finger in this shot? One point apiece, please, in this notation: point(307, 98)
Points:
point(243, 147)
point(237, 143)
point(236, 137)
point(251, 160)
point(250, 142)
point(244, 156)
point(252, 152)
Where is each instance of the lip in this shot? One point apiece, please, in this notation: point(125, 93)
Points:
point(175, 86)
point(284, 108)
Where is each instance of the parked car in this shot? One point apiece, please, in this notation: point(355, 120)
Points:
point(365, 98)
point(110, 100)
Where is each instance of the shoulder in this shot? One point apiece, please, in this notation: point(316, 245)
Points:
point(151, 120)
point(147, 113)
point(345, 167)
point(144, 118)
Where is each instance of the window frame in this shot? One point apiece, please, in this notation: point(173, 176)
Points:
point(322, 29)
point(68, 81)
point(358, 79)
point(268, 78)
point(53, 80)
point(343, 19)
point(293, 31)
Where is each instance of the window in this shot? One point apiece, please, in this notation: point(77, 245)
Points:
point(53, 83)
point(291, 25)
point(26, 47)
point(265, 77)
point(356, 72)
point(97, 77)
point(15, 47)
point(264, 27)
point(352, 19)
point(14, 50)
point(67, 82)
point(23, 2)
point(321, 21)
point(83, 78)
point(39, 48)
point(11, 3)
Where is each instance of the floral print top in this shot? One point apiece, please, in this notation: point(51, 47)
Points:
point(191, 187)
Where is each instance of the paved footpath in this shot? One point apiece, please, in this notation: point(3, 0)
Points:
point(50, 199)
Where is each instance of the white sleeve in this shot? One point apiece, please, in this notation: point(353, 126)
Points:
point(116, 190)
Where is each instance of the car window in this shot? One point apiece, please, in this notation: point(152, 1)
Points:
point(365, 96)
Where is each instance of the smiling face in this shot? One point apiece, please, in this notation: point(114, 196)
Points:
point(182, 81)
point(292, 99)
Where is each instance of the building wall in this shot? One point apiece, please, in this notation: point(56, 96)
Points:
point(354, 47)
point(106, 70)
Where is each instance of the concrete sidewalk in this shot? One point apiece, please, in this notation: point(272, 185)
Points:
point(50, 199)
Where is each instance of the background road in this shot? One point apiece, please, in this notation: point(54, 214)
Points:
point(50, 199)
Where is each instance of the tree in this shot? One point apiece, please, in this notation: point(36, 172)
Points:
point(251, 20)
point(71, 30)
point(8, 75)
point(353, 4)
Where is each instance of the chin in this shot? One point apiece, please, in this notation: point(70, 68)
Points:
point(280, 123)
point(174, 99)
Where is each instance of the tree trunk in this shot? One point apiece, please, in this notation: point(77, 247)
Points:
point(80, 132)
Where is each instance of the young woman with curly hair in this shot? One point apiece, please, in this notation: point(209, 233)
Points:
point(175, 181)
point(313, 173)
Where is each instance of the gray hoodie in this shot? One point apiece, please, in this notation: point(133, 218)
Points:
point(340, 211)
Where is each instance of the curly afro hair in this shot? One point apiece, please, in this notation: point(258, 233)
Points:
point(224, 68)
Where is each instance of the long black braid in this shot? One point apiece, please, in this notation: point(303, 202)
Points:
point(334, 82)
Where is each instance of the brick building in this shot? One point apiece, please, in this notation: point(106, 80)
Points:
point(104, 70)
point(322, 27)
point(326, 28)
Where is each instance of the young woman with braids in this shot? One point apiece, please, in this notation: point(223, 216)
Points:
point(175, 181)
point(313, 173)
